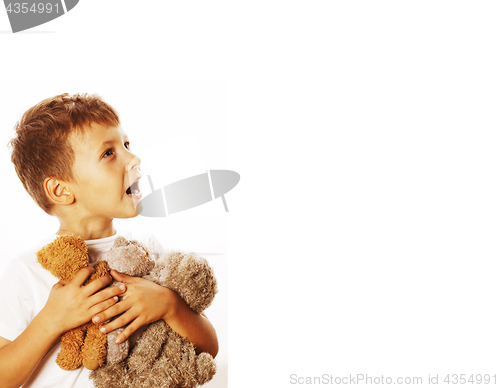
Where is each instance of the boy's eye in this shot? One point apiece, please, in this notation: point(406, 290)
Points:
point(127, 145)
point(108, 152)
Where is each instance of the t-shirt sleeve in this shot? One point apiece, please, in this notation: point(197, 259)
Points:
point(17, 302)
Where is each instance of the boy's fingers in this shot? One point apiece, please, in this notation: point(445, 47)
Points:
point(128, 331)
point(110, 313)
point(107, 293)
point(97, 284)
point(103, 305)
point(121, 322)
point(82, 276)
point(121, 277)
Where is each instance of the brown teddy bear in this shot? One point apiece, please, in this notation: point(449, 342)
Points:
point(156, 356)
point(86, 345)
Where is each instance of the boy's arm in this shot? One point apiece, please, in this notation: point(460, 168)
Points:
point(4, 342)
point(69, 305)
point(20, 357)
point(145, 302)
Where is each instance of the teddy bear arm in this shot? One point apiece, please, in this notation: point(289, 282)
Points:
point(205, 368)
point(116, 352)
point(100, 269)
point(190, 276)
point(94, 347)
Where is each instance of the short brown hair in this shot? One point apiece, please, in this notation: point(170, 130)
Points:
point(41, 148)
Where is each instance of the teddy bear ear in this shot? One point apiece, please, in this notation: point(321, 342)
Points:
point(120, 242)
point(64, 257)
point(132, 259)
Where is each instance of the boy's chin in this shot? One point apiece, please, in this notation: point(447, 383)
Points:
point(129, 213)
point(126, 217)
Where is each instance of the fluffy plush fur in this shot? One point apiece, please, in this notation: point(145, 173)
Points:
point(159, 357)
point(86, 345)
point(131, 258)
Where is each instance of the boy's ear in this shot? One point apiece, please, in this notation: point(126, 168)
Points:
point(58, 192)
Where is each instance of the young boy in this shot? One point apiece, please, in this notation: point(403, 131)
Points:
point(75, 160)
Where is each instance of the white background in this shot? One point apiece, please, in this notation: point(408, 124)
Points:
point(179, 129)
point(363, 235)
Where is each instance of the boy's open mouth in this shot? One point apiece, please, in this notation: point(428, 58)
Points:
point(134, 189)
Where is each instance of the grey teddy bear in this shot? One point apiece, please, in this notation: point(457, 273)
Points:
point(156, 356)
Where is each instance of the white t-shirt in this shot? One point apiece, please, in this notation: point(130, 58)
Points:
point(24, 290)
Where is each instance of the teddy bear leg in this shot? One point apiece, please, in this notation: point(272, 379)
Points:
point(159, 375)
point(116, 352)
point(115, 376)
point(166, 368)
point(182, 365)
point(148, 347)
point(70, 356)
point(94, 347)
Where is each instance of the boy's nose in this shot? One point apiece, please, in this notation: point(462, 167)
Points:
point(134, 163)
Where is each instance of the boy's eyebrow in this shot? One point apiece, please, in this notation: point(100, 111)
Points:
point(108, 143)
point(104, 145)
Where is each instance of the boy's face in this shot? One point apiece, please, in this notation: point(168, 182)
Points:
point(103, 171)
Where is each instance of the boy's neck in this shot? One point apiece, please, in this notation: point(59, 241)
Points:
point(88, 231)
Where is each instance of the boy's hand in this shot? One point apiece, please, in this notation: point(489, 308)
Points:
point(143, 302)
point(70, 304)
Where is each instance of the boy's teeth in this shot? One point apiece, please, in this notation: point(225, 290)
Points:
point(133, 189)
